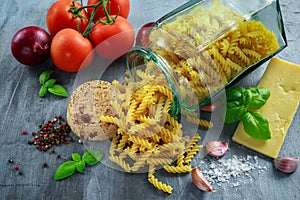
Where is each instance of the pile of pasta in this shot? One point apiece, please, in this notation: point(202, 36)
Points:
point(203, 67)
point(148, 137)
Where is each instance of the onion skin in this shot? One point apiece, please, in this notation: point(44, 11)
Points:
point(31, 45)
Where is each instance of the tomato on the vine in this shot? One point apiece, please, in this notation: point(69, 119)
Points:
point(65, 14)
point(115, 7)
point(112, 40)
point(70, 51)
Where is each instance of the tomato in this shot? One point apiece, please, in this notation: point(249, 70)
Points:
point(70, 51)
point(112, 40)
point(142, 37)
point(212, 107)
point(114, 6)
point(60, 16)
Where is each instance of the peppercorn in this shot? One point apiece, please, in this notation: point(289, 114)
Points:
point(20, 173)
point(10, 160)
point(45, 165)
point(53, 132)
point(58, 156)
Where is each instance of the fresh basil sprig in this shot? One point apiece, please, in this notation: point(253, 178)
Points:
point(241, 105)
point(49, 85)
point(78, 163)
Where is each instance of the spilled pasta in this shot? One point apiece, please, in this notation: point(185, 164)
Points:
point(148, 137)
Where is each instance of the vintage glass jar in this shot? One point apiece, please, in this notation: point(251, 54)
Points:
point(205, 46)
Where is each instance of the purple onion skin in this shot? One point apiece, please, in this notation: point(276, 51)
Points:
point(31, 45)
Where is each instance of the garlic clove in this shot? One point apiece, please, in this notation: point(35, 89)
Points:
point(216, 148)
point(286, 164)
point(200, 181)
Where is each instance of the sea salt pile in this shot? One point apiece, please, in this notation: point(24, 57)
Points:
point(232, 171)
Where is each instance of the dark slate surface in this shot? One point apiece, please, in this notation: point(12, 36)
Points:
point(22, 108)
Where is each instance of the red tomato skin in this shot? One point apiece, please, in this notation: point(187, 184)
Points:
point(142, 37)
point(113, 40)
point(70, 51)
point(60, 17)
point(212, 107)
point(123, 4)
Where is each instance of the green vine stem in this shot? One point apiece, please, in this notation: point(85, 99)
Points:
point(105, 3)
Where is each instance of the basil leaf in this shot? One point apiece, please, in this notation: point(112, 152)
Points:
point(247, 97)
point(44, 76)
point(259, 97)
point(65, 170)
point(234, 93)
point(256, 125)
point(92, 157)
point(50, 82)
point(80, 166)
point(234, 112)
point(76, 157)
point(58, 90)
point(43, 91)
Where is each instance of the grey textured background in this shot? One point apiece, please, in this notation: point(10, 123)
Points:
point(22, 108)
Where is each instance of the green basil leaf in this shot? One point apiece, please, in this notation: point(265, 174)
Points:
point(58, 90)
point(44, 76)
point(234, 93)
point(65, 170)
point(256, 125)
point(247, 97)
point(80, 166)
point(259, 97)
point(43, 91)
point(234, 112)
point(76, 157)
point(50, 82)
point(92, 157)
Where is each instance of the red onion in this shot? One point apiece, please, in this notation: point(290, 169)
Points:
point(31, 45)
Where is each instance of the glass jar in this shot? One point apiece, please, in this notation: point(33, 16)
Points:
point(205, 46)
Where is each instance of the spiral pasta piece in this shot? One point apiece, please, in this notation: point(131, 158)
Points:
point(178, 169)
point(160, 185)
point(191, 154)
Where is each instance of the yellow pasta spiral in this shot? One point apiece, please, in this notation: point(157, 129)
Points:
point(159, 185)
point(178, 169)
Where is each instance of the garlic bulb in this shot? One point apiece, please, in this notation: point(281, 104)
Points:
point(286, 164)
point(216, 148)
point(200, 181)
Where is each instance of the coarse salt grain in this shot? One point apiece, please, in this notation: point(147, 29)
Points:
point(230, 170)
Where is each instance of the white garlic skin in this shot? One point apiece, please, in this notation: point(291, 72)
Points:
point(200, 181)
point(286, 164)
point(216, 148)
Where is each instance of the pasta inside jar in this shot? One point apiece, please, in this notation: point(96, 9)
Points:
point(204, 48)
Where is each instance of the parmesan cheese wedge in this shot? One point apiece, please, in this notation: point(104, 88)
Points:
point(283, 80)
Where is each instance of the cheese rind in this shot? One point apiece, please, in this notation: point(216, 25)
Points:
point(283, 80)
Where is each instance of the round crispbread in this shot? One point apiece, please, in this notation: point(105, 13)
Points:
point(87, 104)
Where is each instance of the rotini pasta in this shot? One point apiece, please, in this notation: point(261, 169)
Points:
point(149, 137)
point(211, 65)
point(178, 169)
point(159, 185)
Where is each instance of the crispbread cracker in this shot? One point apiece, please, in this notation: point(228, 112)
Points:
point(87, 103)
